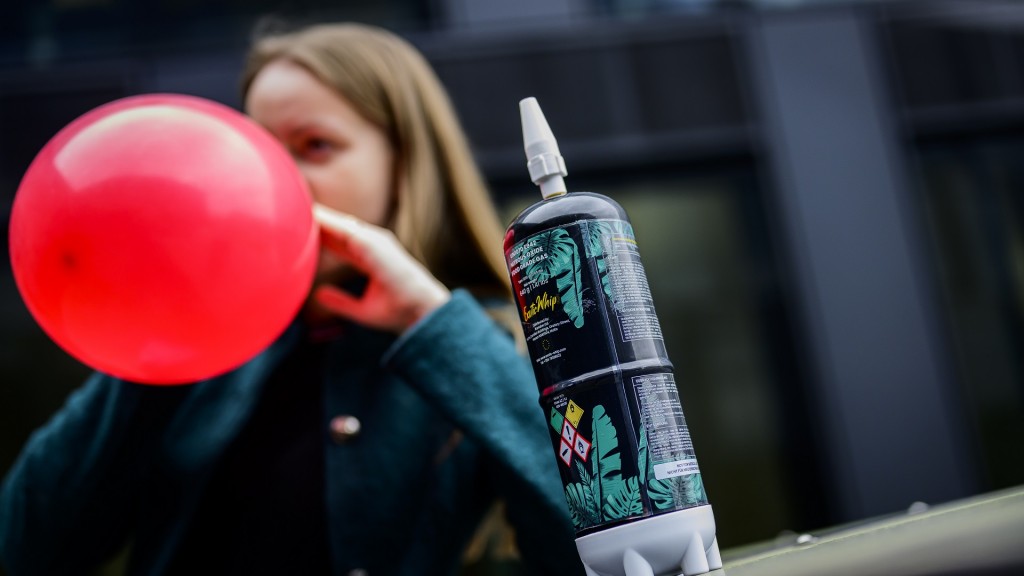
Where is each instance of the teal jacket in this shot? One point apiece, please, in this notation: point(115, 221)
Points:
point(123, 462)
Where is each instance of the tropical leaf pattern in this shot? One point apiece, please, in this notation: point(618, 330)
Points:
point(563, 265)
point(596, 232)
point(691, 491)
point(660, 492)
point(583, 508)
point(625, 502)
point(603, 495)
point(593, 484)
point(641, 460)
point(677, 492)
point(606, 461)
point(599, 234)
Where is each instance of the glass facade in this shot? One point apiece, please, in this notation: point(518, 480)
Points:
point(973, 194)
point(959, 86)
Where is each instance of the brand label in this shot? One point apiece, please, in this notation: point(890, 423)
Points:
point(576, 283)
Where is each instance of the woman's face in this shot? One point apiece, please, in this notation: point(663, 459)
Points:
point(347, 161)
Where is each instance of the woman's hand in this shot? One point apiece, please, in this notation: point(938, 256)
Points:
point(400, 289)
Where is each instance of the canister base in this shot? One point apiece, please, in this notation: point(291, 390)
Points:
point(681, 542)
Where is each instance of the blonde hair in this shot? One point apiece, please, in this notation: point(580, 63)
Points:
point(443, 214)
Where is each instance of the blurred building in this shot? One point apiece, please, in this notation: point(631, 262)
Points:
point(828, 196)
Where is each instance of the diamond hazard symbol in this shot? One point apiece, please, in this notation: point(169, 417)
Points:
point(556, 419)
point(565, 452)
point(581, 447)
point(568, 433)
point(573, 413)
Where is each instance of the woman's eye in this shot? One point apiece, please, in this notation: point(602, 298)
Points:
point(314, 148)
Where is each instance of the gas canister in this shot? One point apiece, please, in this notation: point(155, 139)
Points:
point(632, 483)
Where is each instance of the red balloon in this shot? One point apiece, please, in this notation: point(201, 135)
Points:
point(163, 238)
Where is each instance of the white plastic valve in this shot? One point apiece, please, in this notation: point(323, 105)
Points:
point(543, 159)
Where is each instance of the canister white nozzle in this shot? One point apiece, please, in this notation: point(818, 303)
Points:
point(543, 160)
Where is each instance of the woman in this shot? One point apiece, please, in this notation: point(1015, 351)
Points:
point(373, 436)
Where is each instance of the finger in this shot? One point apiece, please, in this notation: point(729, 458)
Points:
point(338, 221)
point(345, 235)
point(339, 302)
